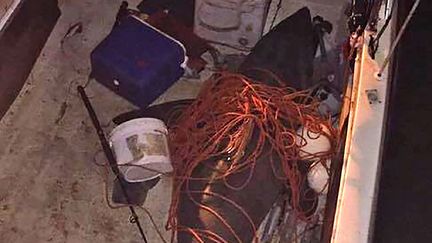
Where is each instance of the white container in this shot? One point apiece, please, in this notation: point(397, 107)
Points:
point(237, 23)
point(141, 149)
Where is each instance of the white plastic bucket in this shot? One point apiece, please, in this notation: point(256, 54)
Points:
point(141, 149)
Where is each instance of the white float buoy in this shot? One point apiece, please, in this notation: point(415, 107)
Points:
point(317, 176)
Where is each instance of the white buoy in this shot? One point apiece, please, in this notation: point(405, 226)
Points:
point(141, 149)
point(314, 144)
point(317, 176)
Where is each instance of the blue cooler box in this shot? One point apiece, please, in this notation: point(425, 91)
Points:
point(138, 62)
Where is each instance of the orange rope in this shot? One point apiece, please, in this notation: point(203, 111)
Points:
point(220, 124)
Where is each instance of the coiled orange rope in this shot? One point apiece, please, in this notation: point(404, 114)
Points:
point(220, 123)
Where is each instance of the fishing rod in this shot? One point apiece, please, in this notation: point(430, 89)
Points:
point(110, 156)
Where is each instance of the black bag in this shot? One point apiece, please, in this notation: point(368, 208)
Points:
point(287, 51)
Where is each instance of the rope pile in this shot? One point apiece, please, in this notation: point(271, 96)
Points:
point(230, 110)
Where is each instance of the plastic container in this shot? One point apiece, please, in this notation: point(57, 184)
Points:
point(138, 61)
point(141, 149)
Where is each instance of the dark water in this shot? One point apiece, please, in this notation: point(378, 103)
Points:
point(404, 209)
